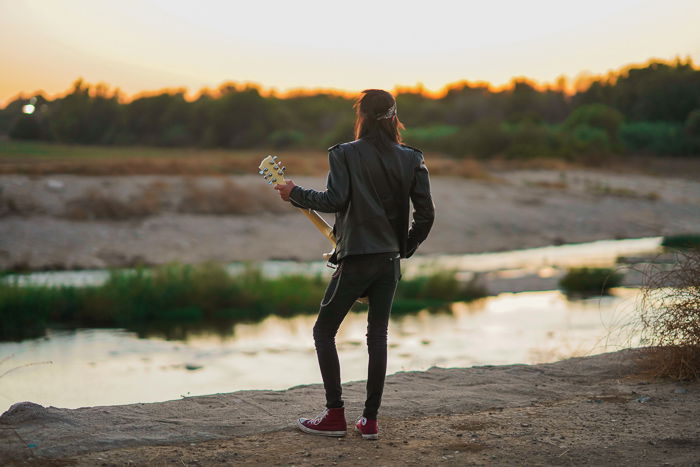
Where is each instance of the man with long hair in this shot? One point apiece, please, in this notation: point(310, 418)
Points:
point(370, 184)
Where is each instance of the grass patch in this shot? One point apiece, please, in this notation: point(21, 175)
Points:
point(439, 286)
point(589, 281)
point(174, 296)
point(31, 158)
point(683, 241)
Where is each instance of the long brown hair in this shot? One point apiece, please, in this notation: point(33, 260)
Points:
point(371, 110)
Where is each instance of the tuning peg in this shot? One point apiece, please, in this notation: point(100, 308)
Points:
point(260, 172)
point(284, 167)
point(269, 183)
point(274, 180)
point(274, 158)
point(265, 169)
point(280, 172)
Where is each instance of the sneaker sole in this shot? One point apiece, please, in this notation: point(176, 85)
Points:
point(306, 429)
point(370, 436)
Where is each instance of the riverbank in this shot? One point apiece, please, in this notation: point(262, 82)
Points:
point(590, 410)
point(64, 222)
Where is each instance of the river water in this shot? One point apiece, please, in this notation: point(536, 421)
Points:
point(88, 367)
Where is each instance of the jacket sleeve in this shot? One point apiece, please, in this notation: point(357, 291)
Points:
point(337, 192)
point(423, 208)
point(294, 203)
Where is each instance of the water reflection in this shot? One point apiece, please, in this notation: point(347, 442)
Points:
point(276, 353)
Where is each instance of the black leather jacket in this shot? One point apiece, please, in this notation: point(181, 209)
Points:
point(369, 193)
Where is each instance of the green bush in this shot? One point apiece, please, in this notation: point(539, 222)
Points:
point(596, 116)
point(436, 137)
point(692, 124)
point(174, 136)
point(282, 139)
point(441, 286)
point(528, 140)
point(691, 131)
point(653, 137)
point(589, 281)
point(588, 141)
point(488, 138)
point(27, 127)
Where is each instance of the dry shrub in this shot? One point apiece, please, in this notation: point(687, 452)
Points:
point(544, 163)
point(15, 205)
point(558, 185)
point(94, 204)
point(601, 189)
point(225, 198)
point(268, 200)
point(471, 168)
point(465, 168)
point(229, 198)
point(670, 318)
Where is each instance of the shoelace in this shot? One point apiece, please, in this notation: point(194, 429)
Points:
point(320, 417)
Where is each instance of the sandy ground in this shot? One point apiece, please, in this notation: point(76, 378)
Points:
point(597, 410)
point(517, 209)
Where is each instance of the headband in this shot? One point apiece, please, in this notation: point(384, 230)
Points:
point(389, 113)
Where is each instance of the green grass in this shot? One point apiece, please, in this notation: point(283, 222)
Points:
point(683, 241)
point(174, 296)
point(12, 149)
point(589, 281)
point(35, 158)
point(441, 286)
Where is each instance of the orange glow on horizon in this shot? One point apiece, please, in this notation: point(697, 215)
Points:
point(569, 86)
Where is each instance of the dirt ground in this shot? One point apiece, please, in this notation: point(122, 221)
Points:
point(597, 410)
point(79, 222)
point(610, 429)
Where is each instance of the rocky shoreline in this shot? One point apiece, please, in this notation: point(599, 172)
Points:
point(596, 410)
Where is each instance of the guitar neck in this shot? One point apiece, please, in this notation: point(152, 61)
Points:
point(273, 172)
point(320, 224)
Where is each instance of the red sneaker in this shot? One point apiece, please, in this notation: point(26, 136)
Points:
point(329, 423)
point(369, 429)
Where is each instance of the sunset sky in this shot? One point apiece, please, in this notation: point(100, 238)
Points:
point(141, 45)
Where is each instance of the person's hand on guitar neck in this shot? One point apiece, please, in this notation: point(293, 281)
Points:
point(285, 189)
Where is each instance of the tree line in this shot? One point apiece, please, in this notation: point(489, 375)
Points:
point(652, 109)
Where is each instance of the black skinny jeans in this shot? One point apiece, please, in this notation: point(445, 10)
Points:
point(373, 275)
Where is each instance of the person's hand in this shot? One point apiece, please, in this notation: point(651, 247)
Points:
point(285, 189)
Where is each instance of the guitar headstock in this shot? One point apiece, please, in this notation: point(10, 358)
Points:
point(272, 170)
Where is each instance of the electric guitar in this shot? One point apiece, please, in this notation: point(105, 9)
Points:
point(273, 171)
